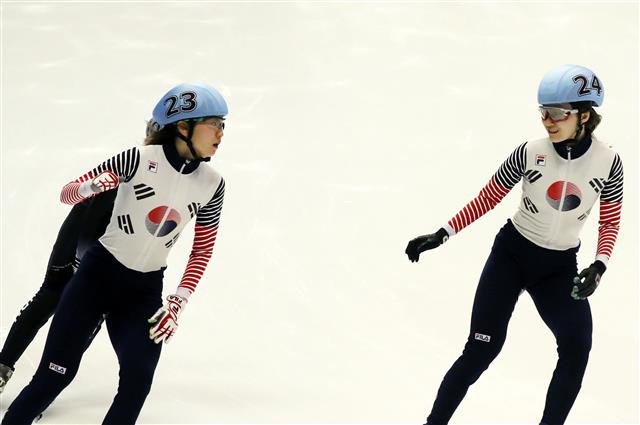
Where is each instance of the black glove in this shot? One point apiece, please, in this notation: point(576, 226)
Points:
point(587, 281)
point(424, 243)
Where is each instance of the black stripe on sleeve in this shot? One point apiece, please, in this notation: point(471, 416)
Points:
point(512, 169)
point(612, 191)
point(125, 164)
point(209, 215)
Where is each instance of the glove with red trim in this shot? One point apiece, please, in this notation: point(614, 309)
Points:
point(165, 320)
point(106, 180)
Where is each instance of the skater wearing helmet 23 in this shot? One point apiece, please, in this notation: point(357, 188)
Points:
point(563, 176)
point(161, 186)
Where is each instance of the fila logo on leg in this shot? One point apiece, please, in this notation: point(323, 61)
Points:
point(54, 367)
point(482, 337)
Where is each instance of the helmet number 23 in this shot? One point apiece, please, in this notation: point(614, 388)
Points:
point(187, 104)
point(584, 85)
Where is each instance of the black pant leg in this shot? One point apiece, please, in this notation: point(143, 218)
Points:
point(78, 313)
point(500, 285)
point(41, 307)
point(137, 354)
point(35, 314)
point(571, 324)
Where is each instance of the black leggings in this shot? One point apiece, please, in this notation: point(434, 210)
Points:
point(515, 265)
point(101, 286)
point(35, 314)
point(84, 224)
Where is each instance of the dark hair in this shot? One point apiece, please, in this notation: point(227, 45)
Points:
point(594, 117)
point(164, 136)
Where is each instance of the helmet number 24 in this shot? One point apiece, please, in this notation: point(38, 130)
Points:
point(584, 89)
point(188, 103)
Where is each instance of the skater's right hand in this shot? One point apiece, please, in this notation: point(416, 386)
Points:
point(425, 243)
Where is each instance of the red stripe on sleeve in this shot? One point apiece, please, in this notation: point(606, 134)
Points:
point(70, 192)
point(486, 200)
point(201, 251)
point(609, 227)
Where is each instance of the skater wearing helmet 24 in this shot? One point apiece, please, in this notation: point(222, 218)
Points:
point(563, 176)
point(161, 186)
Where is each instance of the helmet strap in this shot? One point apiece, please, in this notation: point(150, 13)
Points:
point(573, 142)
point(579, 125)
point(187, 140)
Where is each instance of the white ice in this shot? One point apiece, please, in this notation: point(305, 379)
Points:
point(353, 127)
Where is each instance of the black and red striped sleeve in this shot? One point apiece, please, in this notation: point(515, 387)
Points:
point(124, 165)
point(507, 176)
point(610, 210)
point(206, 231)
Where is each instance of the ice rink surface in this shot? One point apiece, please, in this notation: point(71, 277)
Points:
point(353, 128)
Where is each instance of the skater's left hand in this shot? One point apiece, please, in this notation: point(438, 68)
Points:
point(104, 181)
point(165, 320)
point(588, 280)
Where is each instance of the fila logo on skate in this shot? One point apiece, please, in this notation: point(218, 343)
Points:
point(54, 367)
point(482, 337)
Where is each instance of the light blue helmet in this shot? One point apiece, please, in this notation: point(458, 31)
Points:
point(570, 83)
point(188, 101)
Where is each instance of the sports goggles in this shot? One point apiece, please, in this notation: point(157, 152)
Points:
point(217, 123)
point(555, 114)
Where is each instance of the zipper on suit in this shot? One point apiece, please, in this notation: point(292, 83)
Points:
point(146, 252)
point(563, 195)
point(171, 199)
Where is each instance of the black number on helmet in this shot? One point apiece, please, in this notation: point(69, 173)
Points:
point(172, 106)
point(189, 99)
point(583, 91)
point(188, 103)
point(595, 83)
